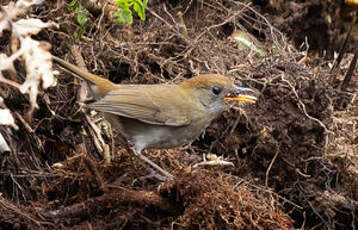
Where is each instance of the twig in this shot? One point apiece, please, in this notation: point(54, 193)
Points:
point(82, 93)
point(100, 144)
point(110, 199)
point(169, 25)
point(304, 221)
point(6, 205)
point(18, 185)
point(97, 138)
point(271, 192)
point(196, 39)
point(342, 50)
point(270, 166)
point(296, 169)
point(353, 209)
point(93, 170)
point(303, 107)
point(9, 82)
point(272, 28)
point(350, 71)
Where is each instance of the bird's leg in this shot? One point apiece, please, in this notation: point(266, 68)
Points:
point(152, 174)
point(167, 175)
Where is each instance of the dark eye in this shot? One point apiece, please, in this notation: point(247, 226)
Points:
point(216, 90)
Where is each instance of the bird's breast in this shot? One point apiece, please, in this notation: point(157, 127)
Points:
point(144, 135)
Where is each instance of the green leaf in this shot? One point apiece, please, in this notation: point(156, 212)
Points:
point(119, 18)
point(140, 9)
point(124, 4)
point(73, 6)
point(82, 18)
point(117, 14)
point(127, 15)
point(124, 17)
point(246, 41)
point(79, 33)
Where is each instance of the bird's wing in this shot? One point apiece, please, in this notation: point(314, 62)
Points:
point(153, 104)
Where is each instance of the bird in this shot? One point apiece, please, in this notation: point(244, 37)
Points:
point(159, 116)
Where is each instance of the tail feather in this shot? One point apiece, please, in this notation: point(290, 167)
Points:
point(103, 86)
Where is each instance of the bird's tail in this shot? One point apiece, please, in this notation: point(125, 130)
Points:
point(103, 85)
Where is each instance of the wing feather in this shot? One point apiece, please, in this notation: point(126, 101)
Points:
point(148, 103)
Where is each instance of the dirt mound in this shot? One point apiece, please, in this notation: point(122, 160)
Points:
point(323, 24)
point(200, 200)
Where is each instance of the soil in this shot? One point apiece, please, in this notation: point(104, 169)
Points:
point(294, 152)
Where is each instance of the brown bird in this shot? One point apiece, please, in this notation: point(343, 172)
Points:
point(163, 115)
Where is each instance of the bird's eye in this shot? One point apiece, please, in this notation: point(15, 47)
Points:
point(216, 90)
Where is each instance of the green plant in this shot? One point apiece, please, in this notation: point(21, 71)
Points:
point(125, 15)
point(82, 17)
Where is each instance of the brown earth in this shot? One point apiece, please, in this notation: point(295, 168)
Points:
point(294, 151)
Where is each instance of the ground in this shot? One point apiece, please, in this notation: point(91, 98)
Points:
point(294, 152)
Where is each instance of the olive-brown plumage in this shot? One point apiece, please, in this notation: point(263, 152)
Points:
point(163, 115)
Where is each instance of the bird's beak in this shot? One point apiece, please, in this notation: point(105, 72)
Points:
point(241, 94)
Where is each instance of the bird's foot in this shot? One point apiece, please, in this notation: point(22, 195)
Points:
point(165, 175)
point(153, 175)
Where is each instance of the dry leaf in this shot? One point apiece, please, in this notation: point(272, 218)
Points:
point(25, 27)
point(38, 62)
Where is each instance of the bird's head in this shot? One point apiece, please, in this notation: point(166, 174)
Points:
point(215, 92)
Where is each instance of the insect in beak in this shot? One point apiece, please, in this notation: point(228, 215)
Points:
point(241, 95)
